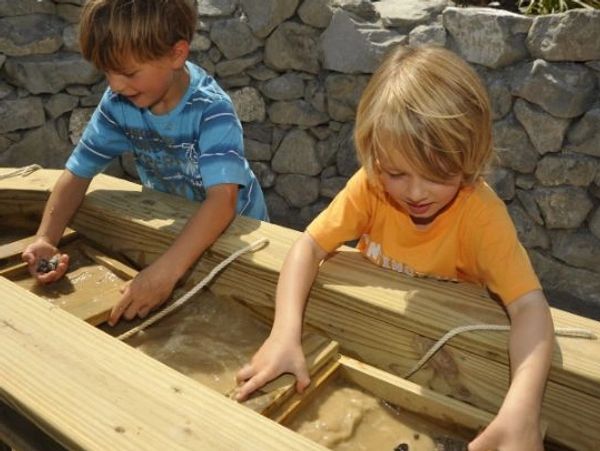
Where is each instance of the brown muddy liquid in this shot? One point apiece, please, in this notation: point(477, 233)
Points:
point(208, 339)
point(344, 417)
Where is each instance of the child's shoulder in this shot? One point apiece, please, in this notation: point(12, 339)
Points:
point(204, 88)
point(483, 193)
point(482, 201)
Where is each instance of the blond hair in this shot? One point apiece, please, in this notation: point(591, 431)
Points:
point(430, 106)
point(112, 31)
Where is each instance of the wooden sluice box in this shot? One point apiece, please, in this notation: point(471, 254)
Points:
point(65, 375)
point(349, 405)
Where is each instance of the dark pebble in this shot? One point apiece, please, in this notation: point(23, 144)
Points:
point(45, 266)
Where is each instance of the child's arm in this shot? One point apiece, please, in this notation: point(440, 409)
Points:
point(66, 196)
point(154, 284)
point(282, 351)
point(517, 424)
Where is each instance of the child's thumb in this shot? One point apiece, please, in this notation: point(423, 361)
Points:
point(302, 380)
point(482, 442)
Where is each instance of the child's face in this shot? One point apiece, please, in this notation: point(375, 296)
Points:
point(156, 85)
point(421, 198)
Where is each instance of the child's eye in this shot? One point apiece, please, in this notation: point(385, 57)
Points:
point(396, 175)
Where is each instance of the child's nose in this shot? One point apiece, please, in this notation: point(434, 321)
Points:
point(416, 190)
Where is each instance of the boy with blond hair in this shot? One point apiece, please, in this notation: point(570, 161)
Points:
point(419, 206)
point(181, 127)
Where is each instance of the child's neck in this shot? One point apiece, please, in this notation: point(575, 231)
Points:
point(181, 81)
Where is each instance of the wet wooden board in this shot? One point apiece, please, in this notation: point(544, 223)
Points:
point(90, 288)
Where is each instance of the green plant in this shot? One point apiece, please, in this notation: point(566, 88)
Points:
point(539, 7)
point(533, 7)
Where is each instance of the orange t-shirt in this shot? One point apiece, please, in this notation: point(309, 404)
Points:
point(473, 240)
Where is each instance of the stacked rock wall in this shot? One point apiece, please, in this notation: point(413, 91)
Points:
point(295, 70)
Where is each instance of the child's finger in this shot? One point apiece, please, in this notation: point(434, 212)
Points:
point(302, 380)
point(119, 308)
point(143, 311)
point(45, 278)
point(55, 274)
point(252, 385)
point(31, 259)
point(483, 442)
point(28, 258)
point(61, 268)
point(131, 311)
point(245, 373)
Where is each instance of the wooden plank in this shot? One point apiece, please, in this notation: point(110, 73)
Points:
point(117, 267)
point(14, 270)
point(287, 410)
point(414, 397)
point(85, 389)
point(399, 316)
point(17, 247)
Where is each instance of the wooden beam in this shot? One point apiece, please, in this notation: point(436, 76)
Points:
point(413, 397)
point(17, 247)
point(89, 391)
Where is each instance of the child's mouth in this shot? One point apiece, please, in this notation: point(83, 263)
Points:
point(418, 209)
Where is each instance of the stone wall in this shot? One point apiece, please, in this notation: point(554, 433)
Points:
point(295, 71)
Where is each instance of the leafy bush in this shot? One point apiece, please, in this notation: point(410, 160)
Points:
point(534, 7)
point(539, 7)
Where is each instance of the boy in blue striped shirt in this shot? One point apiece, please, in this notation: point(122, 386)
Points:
point(179, 124)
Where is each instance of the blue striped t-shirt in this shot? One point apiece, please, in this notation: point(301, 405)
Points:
point(196, 145)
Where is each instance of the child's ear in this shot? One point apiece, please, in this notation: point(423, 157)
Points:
point(179, 53)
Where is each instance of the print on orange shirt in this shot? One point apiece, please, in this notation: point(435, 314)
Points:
point(372, 250)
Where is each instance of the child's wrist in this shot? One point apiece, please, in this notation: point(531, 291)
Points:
point(515, 409)
point(168, 270)
point(46, 240)
point(285, 334)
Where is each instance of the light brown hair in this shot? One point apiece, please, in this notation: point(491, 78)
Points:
point(429, 105)
point(112, 31)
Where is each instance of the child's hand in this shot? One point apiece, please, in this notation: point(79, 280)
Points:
point(275, 357)
point(44, 261)
point(149, 289)
point(510, 432)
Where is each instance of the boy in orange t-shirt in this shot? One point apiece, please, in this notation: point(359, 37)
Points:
point(419, 206)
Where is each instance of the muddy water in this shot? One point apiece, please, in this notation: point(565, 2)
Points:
point(208, 339)
point(85, 282)
point(343, 417)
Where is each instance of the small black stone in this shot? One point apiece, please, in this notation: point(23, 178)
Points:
point(45, 266)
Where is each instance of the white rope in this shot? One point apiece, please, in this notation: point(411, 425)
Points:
point(24, 171)
point(561, 331)
point(183, 299)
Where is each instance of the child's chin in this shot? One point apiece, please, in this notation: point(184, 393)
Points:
point(136, 101)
